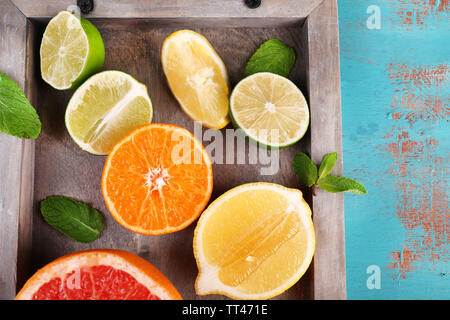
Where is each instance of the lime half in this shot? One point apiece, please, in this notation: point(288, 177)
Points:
point(71, 50)
point(105, 108)
point(270, 109)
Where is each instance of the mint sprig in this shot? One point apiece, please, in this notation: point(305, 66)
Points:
point(272, 56)
point(76, 220)
point(17, 117)
point(307, 172)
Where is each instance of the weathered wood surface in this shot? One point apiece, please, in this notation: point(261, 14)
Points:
point(16, 159)
point(63, 168)
point(175, 9)
point(326, 135)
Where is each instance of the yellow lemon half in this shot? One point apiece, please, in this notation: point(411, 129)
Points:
point(253, 242)
point(197, 77)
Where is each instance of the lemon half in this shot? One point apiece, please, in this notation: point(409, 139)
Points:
point(197, 77)
point(253, 242)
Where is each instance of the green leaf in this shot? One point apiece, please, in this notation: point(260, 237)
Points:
point(17, 117)
point(305, 169)
point(272, 56)
point(76, 220)
point(327, 164)
point(335, 184)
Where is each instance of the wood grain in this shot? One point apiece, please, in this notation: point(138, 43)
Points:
point(326, 134)
point(292, 9)
point(62, 168)
point(16, 157)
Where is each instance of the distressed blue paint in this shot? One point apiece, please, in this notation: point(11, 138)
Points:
point(373, 229)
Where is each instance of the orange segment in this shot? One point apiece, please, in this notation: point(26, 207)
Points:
point(98, 275)
point(157, 180)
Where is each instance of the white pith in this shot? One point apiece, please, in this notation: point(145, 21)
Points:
point(201, 79)
point(156, 178)
point(270, 107)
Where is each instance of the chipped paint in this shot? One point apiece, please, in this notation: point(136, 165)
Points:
point(423, 202)
point(419, 91)
point(419, 175)
point(402, 261)
point(417, 13)
point(414, 108)
point(405, 77)
point(398, 78)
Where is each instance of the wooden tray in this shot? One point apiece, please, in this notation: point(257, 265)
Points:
point(133, 32)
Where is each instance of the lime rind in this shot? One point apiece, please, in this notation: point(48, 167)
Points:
point(96, 53)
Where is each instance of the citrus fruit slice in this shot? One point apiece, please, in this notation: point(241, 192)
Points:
point(270, 109)
point(71, 50)
point(253, 242)
point(105, 108)
point(157, 180)
point(99, 275)
point(197, 77)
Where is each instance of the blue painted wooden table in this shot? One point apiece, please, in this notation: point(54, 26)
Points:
point(395, 99)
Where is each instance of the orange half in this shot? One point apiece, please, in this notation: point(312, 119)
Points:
point(157, 180)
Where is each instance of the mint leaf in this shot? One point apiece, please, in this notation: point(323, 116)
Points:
point(335, 184)
point(17, 117)
point(305, 169)
point(272, 56)
point(76, 220)
point(327, 164)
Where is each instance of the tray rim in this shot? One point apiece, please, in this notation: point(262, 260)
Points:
point(293, 9)
point(321, 31)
